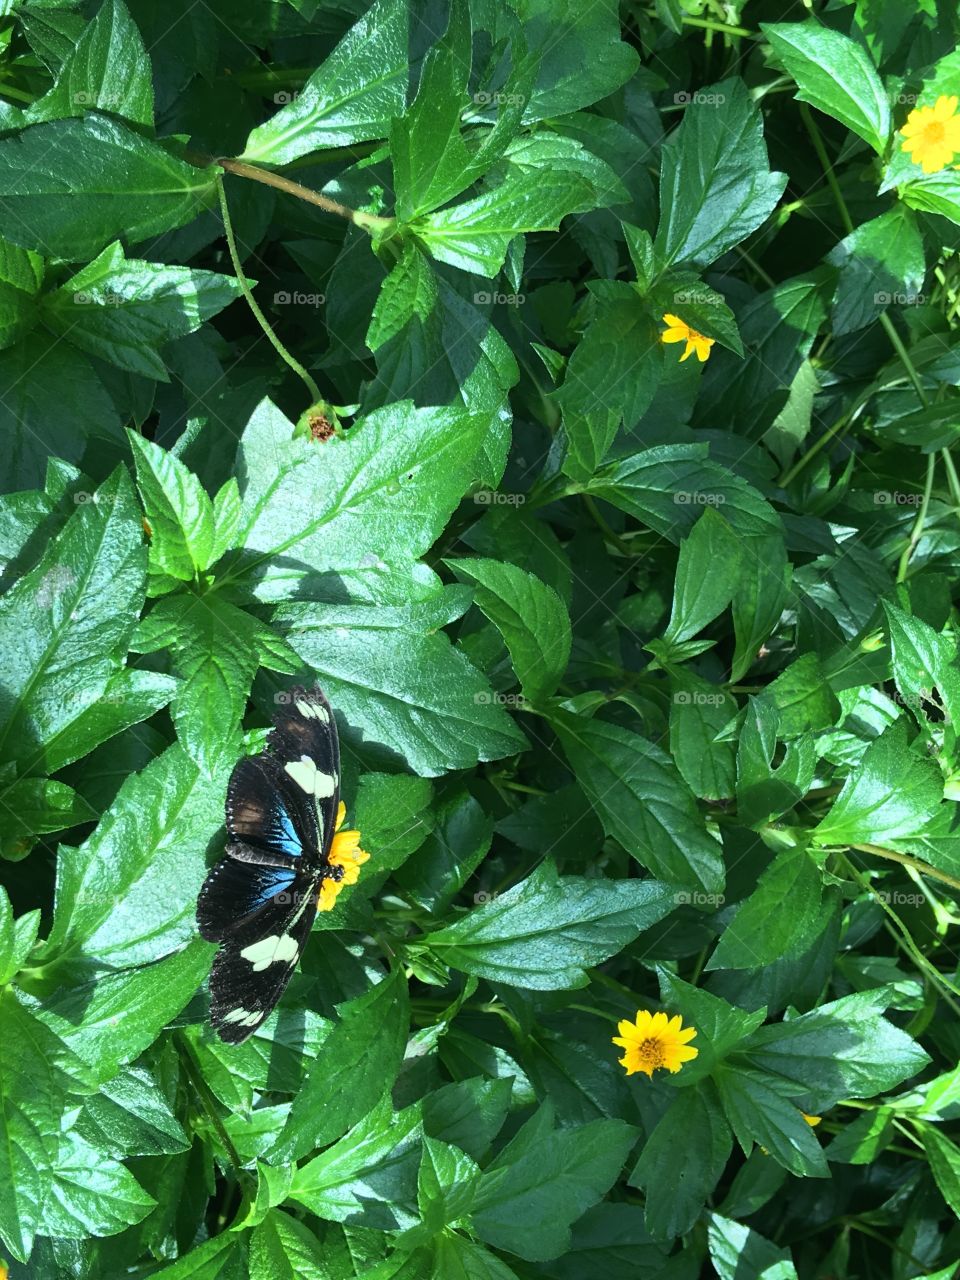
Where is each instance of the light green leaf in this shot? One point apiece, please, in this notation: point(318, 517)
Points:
point(73, 186)
point(544, 1179)
point(351, 97)
point(642, 801)
point(715, 181)
point(356, 1063)
point(128, 894)
point(75, 610)
point(108, 70)
point(763, 930)
point(547, 930)
point(90, 1194)
point(530, 616)
point(834, 74)
point(892, 793)
point(124, 310)
point(179, 512)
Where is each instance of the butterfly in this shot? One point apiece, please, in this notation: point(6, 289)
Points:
point(260, 899)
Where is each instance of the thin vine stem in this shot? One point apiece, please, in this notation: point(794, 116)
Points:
point(368, 221)
point(315, 396)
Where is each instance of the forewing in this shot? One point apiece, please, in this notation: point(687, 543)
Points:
point(238, 892)
point(267, 812)
point(304, 742)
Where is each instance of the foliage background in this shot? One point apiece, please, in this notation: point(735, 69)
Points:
point(645, 669)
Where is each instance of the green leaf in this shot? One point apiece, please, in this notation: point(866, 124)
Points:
point(547, 930)
point(109, 1021)
point(222, 1258)
point(708, 570)
point(544, 1179)
point(880, 263)
point(75, 610)
point(944, 1158)
point(179, 512)
point(892, 793)
point(738, 1251)
point(17, 937)
point(399, 680)
point(530, 616)
point(124, 310)
point(843, 1049)
point(37, 806)
point(33, 1094)
point(393, 815)
point(215, 649)
point(52, 404)
point(835, 75)
point(446, 1186)
point(715, 181)
point(131, 1117)
point(371, 1171)
point(356, 1063)
point(642, 801)
point(536, 192)
point(583, 56)
point(455, 1256)
point(676, 1173)
point(765, 792)
point(128, 894)
point(108, 70)
point(380, 497)
point(924, 664)
point(90, 1194)
point(283, 1248)
point(73, 186)
point(721, 1026)
point(759, 1112)
point(698, 713)
point(351, 97)
point(611, 376)
point(432, 161)
point(21, 274)
point(778, 919)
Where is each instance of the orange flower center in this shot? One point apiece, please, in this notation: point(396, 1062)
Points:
point(651, 1051)
point(934, 132)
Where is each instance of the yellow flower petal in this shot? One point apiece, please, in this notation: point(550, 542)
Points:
point(654, 1042)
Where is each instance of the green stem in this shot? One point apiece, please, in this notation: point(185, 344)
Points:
point(713, 24)
point(827, 167)
point(368, 221)
point(917, 531)
point(207, 1101)
point(315, 396)
point(18, 95)
point(897, 344)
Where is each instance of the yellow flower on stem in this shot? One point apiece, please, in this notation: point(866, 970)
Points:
point(679, 331)
point(933, 134)
point(345, 855)
point(654, 1041)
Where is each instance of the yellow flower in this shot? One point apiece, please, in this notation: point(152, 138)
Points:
point(653, 1041)
point(345, 854)
point(678, 331)
point(933, 134)
point(812, 1121)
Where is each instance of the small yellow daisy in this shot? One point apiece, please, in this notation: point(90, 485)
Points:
point(933, 134)
point(345, 854)
point(679, 331)
point(654, 1041)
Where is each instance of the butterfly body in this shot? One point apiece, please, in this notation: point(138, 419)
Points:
point(258, 902)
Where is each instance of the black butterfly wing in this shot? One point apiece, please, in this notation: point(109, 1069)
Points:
point(254, 964)
point(260, 898)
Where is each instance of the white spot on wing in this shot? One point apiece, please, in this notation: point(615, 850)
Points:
point(308, 777)
point(243, 1016)
point(272, 950)
point(312, 710)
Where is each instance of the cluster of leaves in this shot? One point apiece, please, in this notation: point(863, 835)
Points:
point(645, 669)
